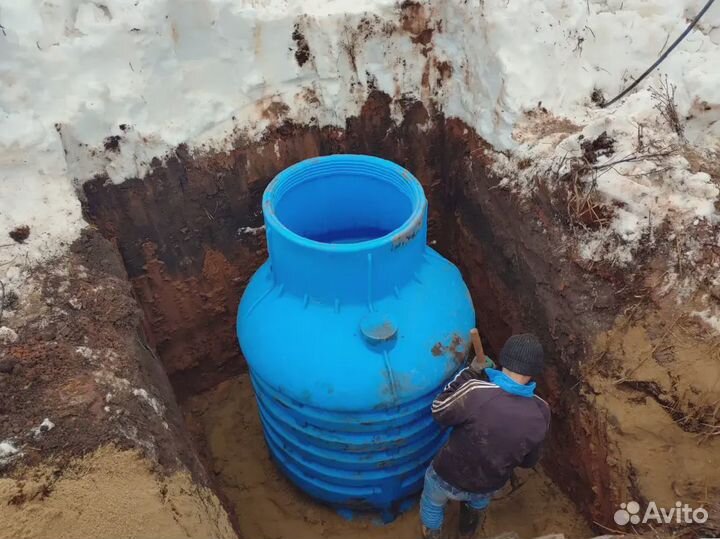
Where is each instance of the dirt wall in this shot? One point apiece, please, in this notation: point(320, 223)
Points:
point(99, 439)
point(633, 377)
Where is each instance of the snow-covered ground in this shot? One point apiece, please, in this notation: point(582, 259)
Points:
point(158, 73)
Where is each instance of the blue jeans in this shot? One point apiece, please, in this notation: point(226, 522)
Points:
point(436, 494)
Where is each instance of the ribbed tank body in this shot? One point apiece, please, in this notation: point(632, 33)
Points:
point(350, 329)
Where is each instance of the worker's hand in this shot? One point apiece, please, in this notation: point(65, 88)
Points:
point(478, 365)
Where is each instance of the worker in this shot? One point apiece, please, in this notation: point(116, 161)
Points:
point(498, 424)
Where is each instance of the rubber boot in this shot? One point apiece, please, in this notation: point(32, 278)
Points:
point(427, 533)
point(470, 520)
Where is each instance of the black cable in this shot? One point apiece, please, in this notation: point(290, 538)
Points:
point(662, 57)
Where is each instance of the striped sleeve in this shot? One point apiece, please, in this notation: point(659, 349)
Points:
point(449, 408)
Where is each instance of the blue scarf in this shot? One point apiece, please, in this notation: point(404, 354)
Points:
point(508, 384)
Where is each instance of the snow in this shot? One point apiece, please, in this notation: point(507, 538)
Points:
point(7, 335)
point(43, 427)
point(159, 73)
point(8, 452)
point(252, 231)
point(617, 44)
point(154, 403)
point(712, 320)
point(644, 191)
point(111, 380)
point(86, 352)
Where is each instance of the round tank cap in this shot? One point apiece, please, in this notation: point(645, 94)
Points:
point(377, 327)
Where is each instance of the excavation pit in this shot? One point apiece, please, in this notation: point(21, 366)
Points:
point(627, 377)
point(189, 253)
point(160, 125)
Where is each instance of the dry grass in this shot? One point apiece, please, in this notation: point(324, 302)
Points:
point(652, 352)
point(664, 98)
point(539, 124)
point(701, 417)
point(583, 206)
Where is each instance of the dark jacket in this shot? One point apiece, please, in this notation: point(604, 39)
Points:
point(494, 431)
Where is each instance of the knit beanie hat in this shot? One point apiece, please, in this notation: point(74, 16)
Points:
point(523, 354)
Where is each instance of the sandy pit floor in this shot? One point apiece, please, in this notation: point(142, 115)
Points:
point(268, 506)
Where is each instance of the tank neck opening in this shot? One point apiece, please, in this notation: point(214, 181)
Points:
point(344, 202)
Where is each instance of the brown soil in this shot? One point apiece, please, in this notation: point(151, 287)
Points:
point(110, 494)
point(81, 361)
point(225, 420)
point(113, 458)
point(656, 378)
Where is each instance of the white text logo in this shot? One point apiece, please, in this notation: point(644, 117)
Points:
point(629, 513)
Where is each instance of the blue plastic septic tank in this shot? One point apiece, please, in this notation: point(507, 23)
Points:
point(350, 329)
